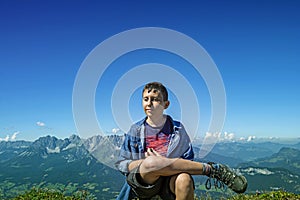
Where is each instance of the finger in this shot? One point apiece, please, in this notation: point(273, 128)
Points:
point(155, 153)
point(148, 152)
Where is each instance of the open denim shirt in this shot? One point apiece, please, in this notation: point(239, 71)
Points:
point(134, 148)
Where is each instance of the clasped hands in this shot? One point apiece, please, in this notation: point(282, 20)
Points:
point(151, 152)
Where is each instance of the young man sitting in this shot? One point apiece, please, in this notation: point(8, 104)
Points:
point(157, 155)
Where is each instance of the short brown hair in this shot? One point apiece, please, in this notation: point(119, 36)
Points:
point(157, 86)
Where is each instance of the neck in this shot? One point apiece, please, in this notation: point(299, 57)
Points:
point(156, 122)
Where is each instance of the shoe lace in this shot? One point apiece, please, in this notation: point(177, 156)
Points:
point(216, 183)
point(220, 178)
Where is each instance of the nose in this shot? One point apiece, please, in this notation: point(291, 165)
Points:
point(148, 102)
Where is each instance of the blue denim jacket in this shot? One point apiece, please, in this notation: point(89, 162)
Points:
point(134, 148)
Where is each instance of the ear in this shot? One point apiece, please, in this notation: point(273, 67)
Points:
point(167, 103)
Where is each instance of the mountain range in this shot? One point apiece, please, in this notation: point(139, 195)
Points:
point(74, 164)
point(65, 165)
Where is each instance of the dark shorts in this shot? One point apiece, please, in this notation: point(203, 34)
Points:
point(144, 191)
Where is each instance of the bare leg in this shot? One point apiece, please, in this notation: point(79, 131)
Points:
point(182, 186)
point(155, 166)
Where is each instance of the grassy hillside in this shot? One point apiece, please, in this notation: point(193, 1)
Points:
point(83, 195)
point(48, 194)
point(278, 195)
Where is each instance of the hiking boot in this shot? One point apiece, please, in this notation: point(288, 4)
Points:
point(224, 175)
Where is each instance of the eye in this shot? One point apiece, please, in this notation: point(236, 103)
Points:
point(146, 99)
point(156, 99)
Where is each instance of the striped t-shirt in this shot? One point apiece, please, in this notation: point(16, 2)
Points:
point(158, 137)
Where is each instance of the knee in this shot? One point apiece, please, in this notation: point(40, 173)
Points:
point(184, 182)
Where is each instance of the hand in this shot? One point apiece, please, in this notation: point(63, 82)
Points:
point(151, 152)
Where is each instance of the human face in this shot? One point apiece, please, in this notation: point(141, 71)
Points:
point(153, 103)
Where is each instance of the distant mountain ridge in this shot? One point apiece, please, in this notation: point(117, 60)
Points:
point(249, 151)
point(286, 158)
point(281, 171)
point(65, 164)
point(73, 163)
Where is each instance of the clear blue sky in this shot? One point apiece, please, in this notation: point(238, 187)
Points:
point(255, 45)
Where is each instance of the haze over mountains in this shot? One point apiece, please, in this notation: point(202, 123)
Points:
point(73, 163)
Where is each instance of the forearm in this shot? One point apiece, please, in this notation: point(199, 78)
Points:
point(170, 166)
point(134, 164)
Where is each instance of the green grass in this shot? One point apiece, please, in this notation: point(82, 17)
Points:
point(276, 195)
point(49, 194)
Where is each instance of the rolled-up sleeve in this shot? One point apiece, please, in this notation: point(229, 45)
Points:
point(125, 156)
